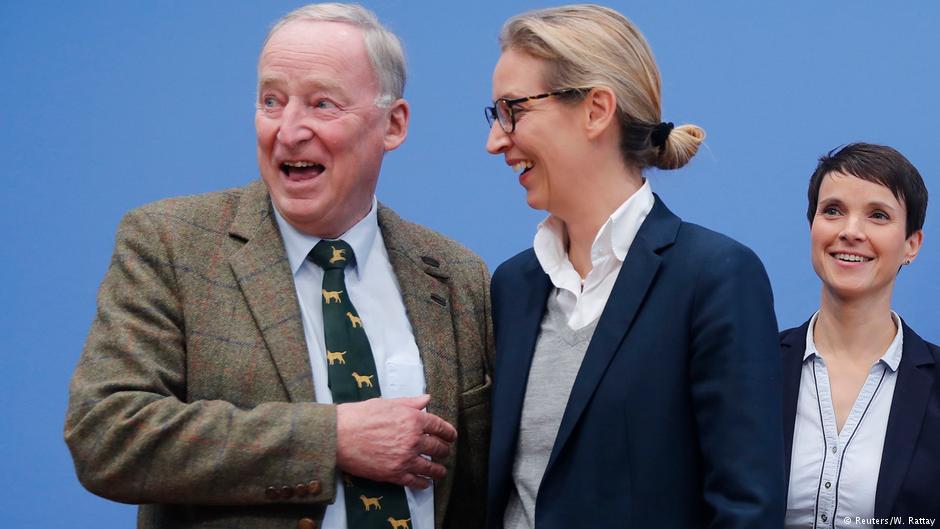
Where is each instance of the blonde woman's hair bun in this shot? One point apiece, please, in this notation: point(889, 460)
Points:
point(679, 146)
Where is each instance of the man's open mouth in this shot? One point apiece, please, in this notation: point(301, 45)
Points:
point(301, 170)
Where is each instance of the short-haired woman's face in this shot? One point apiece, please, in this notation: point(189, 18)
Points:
point(858, 237)
point(544, 147)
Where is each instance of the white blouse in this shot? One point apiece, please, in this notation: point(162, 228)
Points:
point(833, 474)
point(583, 301)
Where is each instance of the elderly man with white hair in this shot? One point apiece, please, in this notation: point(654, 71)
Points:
point(292, 353)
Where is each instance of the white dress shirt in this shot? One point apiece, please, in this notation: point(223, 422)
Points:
point(583, 302)
point(374, 291)
point(834, 474)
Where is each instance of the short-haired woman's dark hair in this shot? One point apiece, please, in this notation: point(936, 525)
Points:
point(879, 164)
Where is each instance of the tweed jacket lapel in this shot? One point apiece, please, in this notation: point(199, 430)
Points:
point(264, 276)
point(422, 276)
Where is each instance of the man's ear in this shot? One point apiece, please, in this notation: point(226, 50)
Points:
point(600, 106)
point(396, 128)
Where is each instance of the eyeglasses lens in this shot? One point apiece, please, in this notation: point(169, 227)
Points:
point(504, 114)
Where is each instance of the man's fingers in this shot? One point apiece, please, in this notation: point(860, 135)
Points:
point(426, 468)
point(372, 434)
point(434, 425)
point(415, 482)
point(430, 445)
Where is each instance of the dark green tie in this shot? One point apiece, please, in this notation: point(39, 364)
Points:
point(352, 375)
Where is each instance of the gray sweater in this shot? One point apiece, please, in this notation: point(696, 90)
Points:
point(555, 364)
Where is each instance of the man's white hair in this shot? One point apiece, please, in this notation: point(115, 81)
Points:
point(382, 46)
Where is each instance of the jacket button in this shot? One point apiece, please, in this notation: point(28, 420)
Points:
point(271, 493)
point(314, 487)
point(301, 490)
point(306, 523)
point(287, 492)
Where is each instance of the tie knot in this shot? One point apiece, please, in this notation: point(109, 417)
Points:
point(330, 255)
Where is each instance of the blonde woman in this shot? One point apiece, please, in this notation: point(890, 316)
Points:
point(637, 375)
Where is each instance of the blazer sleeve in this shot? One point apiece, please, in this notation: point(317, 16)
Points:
point(736, 388)
point(136, 438)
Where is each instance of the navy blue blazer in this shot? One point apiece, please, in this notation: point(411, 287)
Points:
point(674, 417)
point(909, 479)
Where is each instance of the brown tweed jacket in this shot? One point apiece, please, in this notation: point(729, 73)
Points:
point(194, 394)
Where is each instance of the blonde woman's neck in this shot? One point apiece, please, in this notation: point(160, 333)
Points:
point(601, 198)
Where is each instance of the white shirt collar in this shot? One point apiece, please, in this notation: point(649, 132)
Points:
point(891, 358)
point(360, 237)
point(613, 239)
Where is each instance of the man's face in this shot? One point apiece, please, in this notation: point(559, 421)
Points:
point(321, 137)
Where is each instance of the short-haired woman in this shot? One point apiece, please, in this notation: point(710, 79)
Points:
point(861, 389)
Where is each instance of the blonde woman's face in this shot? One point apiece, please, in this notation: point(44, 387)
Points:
point(545, 147)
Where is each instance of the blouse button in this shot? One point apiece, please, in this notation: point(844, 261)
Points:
point(828, 485)
point(824, 518)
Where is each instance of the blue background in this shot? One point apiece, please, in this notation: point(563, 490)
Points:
point(108, 105)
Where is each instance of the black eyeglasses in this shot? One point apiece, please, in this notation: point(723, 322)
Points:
point(503, 109)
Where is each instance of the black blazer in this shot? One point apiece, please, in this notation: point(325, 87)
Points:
point(673, 419)
point(909, 479)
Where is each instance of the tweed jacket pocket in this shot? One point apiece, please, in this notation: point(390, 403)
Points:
point(476, 396)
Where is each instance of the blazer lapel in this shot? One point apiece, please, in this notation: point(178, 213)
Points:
point(263, 273)
point(634, 280)
point(911, 393)
point(792, 348)
point(422, 275)
point(521, 318)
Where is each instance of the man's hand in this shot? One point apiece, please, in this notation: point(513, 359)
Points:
point(384, 439)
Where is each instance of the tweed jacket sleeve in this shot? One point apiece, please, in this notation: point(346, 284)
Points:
point(176, 398)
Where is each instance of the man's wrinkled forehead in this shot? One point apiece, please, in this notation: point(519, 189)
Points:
point(315, 82)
